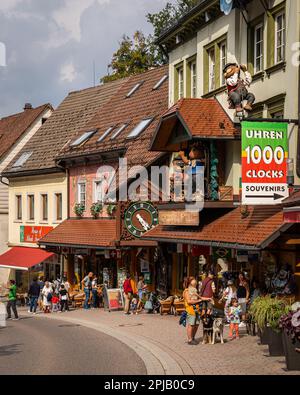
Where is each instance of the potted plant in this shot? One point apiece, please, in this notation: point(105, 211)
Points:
point(290, 324)
point(79, 209)
point(96, 209)
point(267, 312)
point(111, 208)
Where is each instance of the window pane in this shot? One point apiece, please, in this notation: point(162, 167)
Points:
point(31, 207)
point(45, 207)
point(59, 206)
point(19, 207)
point(83, 138)
point(140, 128)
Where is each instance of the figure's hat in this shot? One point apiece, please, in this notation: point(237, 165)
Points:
point(229, 65)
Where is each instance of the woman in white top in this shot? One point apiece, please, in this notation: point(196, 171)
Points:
point(228, 295)
point(47, 290)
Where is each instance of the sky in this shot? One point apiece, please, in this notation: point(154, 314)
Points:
point(51, 45)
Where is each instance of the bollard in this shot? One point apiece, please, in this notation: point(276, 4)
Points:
point(2, 315)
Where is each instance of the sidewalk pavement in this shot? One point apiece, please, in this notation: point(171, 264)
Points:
point(161, 343)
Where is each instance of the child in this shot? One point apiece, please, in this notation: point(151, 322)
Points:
point(63, 299)
point(55, 301)
point(134, 305)
point(234, 315)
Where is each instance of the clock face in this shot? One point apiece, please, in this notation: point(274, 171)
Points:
point(140, 217)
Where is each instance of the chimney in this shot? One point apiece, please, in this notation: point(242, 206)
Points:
point(28, 106)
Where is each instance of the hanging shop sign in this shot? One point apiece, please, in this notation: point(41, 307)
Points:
point(32, 234)
point(140, 217)
point(264, 163)
point(179, 218)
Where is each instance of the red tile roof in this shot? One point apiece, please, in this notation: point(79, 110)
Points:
point(83, 233)
point(71, 116)
point(144, 103)
point(14, 126)
point(253, 231)
point(202, 118)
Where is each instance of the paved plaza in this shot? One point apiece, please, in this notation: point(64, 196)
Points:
point(161, 343)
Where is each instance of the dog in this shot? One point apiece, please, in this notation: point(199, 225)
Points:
point(207, 321)
point(218, 329)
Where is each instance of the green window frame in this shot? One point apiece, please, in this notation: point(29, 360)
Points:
point(178, 91)
point(276, 106)
point(213, 49)
point(252, 42)
point(272, 34)
point(191, 77)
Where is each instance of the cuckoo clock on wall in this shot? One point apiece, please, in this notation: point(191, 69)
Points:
point(140, 217)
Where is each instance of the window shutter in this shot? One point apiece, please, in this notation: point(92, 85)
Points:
point(217, 67)
point(251, 49)
point(271, 41)
point(176, 87)
point(205, 72)
point(189, 80)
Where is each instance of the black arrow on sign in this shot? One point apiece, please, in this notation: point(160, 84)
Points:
point(274, 197)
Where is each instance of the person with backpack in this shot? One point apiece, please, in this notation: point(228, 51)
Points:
point(12, 301)
point(47, 293)
point(34, 294)
point(207, 292)
point(128, 293)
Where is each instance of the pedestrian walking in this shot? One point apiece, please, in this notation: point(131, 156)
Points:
point(12, 300)
point(95, 292)
point(34, 294)
point(47, 293)
point(55, 303)
point(87, 284)
point(66, 284)
point(229, 293)
point(192, 309)
point(235, 311)
point(128, 293)
point(243, 296)
point(208, 290)
point(41, 284)
point(64, 299)
point(141, 287)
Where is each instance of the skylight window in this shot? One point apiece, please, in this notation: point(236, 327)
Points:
point(160, 82)
point(23, 159)
point(140, 128)
point(134, 89)
point(119, 131)
point(105, 134)
point(82, 139)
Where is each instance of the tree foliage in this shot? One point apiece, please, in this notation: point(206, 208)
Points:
point(141, 53)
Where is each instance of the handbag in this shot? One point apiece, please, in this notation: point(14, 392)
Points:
point(148, 305)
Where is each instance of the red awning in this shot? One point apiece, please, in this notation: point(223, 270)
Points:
point(23, 258)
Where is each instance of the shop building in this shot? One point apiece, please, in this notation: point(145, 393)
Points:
point(38, 188)
point(260, 35)
point(15, 131)
point(121, 129)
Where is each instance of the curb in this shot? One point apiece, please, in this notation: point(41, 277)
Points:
point(157, 361)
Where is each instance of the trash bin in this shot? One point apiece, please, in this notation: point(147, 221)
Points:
point(2, 315)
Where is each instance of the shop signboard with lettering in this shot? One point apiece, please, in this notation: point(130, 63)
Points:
point(32, 234)
point(264, 162)
point(114, 299)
